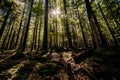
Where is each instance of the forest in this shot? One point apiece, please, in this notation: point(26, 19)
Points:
point(59, 39)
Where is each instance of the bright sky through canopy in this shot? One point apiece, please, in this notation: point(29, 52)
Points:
point(56, 11)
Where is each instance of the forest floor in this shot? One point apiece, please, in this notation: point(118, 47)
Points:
point(65, 65)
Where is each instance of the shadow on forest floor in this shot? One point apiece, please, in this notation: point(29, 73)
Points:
point(65, 65)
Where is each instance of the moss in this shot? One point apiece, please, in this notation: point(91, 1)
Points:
point(25, 71)
point(8, 64)
point(28, 66)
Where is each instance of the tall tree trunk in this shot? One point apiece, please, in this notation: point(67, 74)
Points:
point(67, 26)
point(13, 18)
point(45, 37)
point(63, 38)
point(9, 36)
point(27, 28)
point(39, 33)
point(5, 38)
point(56, 33)
point(80, 23)
point(93, 26)
point(0, 2)
point(12, 33)
point(50, 42)
point(5, 21)
point(109, 6)
point(102, 39)
point(74, 37)
point(34, 34)
point(10, 47)
point(35, 46)
point(18, 34)
point(106, 21)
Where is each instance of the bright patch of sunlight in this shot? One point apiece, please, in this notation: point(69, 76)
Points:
point(56, 11)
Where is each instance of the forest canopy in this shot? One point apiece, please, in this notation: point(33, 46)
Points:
point(46, 24)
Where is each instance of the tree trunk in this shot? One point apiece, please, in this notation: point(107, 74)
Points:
point(0, 2)
point(56, 33)
point(45, 37)
point(13, 18)
point(67, 26)
point(9, 36)
point(5, 38)
point(10, 47)
point(80, 23)
point(27, 28)
point(106, 21)
point(5, 21)
point(18, 34)
point(39, 33)
point(35, 34)
point(113, 15)
point(50, 41)
point(102, 39)
point(94, 31)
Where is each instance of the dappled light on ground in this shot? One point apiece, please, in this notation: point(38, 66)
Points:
point(61, 66)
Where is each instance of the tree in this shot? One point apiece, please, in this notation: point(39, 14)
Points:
point(5, 19)
point(80, 23)
point(18, 33)
point(27, 28)
point(0, 2)
point(107, 23)
point(94, 31)
point(45, 37)
point(67, 25)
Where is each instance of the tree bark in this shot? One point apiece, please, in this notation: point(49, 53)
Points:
point(27, 28)
point(9, 36)
point(111, 31)
point(67, 26)
point(18, 34)
point(10, 47)
point(80, 23)
point(5, 21)
point(5, 38)
point(94, 31)
point(45, 37)
point(39, 33)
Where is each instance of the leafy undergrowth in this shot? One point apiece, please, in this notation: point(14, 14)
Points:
point(65, 65)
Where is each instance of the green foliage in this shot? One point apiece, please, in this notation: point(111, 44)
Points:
point(7, 64)
point(25, 71)
point(57, 35)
